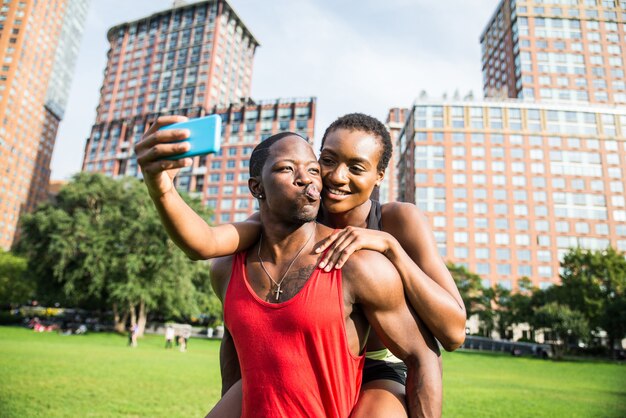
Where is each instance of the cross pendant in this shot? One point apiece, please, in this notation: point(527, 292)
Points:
point(278, 292)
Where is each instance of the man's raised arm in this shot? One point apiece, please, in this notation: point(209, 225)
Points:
point(184, 226)
point(378, 289)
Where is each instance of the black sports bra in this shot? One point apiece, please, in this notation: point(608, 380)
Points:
point(375, 217)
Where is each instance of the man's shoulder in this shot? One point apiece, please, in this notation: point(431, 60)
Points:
point(367, 266)
point(370, 278)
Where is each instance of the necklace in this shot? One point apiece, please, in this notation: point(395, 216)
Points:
point(278, 284)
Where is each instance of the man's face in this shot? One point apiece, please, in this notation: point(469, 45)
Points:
point(291, 181)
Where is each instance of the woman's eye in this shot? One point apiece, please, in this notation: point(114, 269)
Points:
point(314, 170)
point(326, 161)
point(287, 168)
point(357, 169)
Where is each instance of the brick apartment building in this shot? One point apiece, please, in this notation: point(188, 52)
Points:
point(39, 44)
point(510, 183)
point(192, 59)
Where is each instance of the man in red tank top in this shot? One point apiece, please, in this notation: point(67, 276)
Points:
point(299, 332)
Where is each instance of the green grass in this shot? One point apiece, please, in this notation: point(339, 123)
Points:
point(491, 385)
point(97, 375)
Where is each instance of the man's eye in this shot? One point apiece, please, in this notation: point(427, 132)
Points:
point(326, 161)
point(314, 170)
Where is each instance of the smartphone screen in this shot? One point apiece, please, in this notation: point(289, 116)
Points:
point(205, 135)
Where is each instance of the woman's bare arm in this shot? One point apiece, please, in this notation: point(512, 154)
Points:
point(427, 282)
point(408, 243)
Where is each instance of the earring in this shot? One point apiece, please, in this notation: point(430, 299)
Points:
point(261, 196)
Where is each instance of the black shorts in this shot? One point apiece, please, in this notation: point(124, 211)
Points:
point(384, 370)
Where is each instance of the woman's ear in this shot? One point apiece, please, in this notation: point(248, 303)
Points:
point(381, 176)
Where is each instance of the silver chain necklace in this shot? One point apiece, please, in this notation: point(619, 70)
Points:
point(278, 284)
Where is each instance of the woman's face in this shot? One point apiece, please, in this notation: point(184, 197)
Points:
point(349, 161)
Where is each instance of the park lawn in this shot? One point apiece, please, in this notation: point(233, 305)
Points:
point(97, 375)
point(498, 385)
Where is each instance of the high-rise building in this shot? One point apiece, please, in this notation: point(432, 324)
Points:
point(192, 55)
point(193, 59)
point(39, 42)
point(556, 50)
point(394, 123)
point(509, 186)
point(221, 181)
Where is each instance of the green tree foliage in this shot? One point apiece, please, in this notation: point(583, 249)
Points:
point(594, 283)
point(476, 298)
point(502, 305)
point(15, 286)
point(101, 244)
point(567, 325)
point(522, 301)
point(591, 297)
point(470, 287)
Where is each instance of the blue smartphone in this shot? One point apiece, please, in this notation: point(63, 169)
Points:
point(204, 136)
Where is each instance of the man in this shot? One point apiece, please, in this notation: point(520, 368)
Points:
point(299, 331)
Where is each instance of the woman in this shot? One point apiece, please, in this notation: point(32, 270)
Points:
point(355, 152)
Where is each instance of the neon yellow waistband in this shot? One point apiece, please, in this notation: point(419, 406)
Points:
point(384, 355)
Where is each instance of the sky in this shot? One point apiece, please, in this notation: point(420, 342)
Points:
point(353, 55)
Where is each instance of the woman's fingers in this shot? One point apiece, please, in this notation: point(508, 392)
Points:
point(340, 252)
point(330, 247)
point(326, 242)
point(347, 252)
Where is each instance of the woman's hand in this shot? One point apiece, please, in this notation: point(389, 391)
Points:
point(344, 242)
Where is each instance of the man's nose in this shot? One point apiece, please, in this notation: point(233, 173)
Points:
point(303, 178)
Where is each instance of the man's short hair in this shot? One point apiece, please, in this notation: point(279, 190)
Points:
point(369, 125)
point(262, 151)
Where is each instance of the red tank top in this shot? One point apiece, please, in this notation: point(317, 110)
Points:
point(294, 356)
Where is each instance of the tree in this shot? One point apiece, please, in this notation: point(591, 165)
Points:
point(521, 304)
point(15, 286)
point(470, 287)
point(476, 298)
point(594, 283)
point(567, 325)
point(101, 244)
point(501, 300)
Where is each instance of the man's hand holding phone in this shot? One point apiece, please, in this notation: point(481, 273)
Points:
point(155, 145)
point(168, 145)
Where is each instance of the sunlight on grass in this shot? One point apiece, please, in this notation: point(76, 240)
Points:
point(98, 375)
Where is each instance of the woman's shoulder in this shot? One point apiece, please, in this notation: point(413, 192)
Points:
point(404, 221)
point(399, 210)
